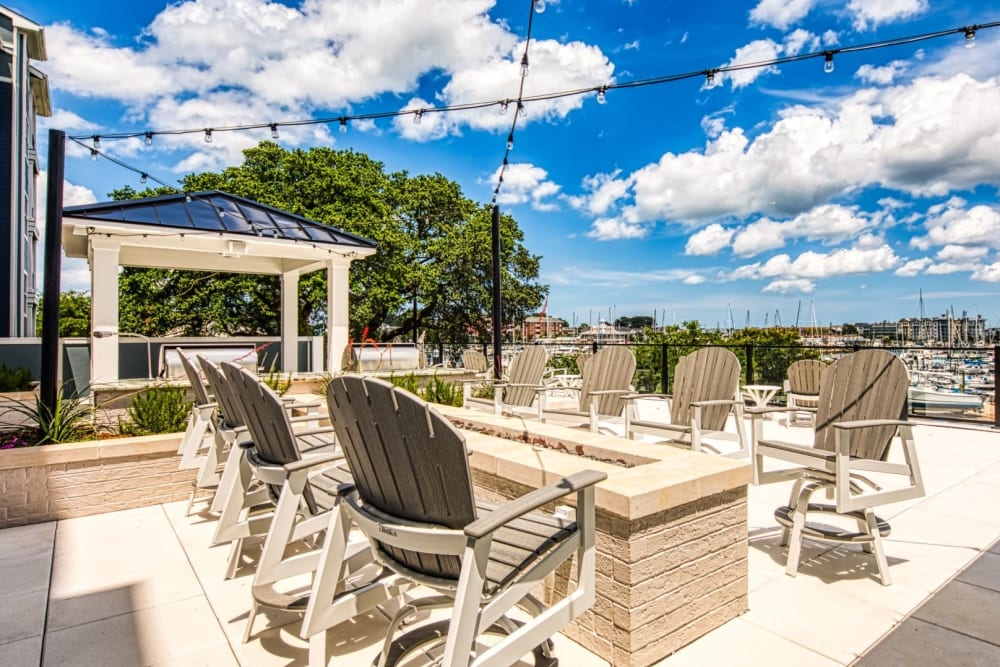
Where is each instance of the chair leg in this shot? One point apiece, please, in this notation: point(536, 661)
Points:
point(235, 551)
point(253, 614)
point(795, 544)
point(877, 551)
point(194, 493)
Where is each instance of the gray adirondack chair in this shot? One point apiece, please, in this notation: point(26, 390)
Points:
point(605, 381)
point(802, 387)
point(413, 498)
point(706, 394)
point(475, 361)
point(197, 452)
point(519, 389)
point(861, 411)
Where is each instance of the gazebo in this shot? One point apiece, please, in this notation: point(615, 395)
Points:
point(208, 231)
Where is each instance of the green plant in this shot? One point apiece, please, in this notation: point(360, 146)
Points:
point(445, 393)
point(277, 382)
point(14, 379)
point(157, 410)
point(70, 420)
point(410, 382)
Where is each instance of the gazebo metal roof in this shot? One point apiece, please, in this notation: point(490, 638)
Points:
point(200, 231)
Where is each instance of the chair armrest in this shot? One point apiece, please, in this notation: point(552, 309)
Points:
point(635, 396)
point(532, 501)
point(871, 423)
point(717, 401)
point(545, 388)
point(755, 411)
point(608, 392)
point(313, 461)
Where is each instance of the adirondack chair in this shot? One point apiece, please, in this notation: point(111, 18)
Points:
point(706, 393)
point(518, 391)
point(245, 507)
point(606, 380)
point(861, 411)
point(802, 387)
point(413, 498)
point(476, 361)
point(197, 453)
point(303, 498)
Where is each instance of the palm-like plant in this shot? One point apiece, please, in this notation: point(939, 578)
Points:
point(69, 420)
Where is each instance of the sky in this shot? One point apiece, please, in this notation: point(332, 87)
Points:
point(777, 194)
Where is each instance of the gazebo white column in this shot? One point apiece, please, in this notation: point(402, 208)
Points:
point(104, 254)
point(290, 321)
point(338, 290)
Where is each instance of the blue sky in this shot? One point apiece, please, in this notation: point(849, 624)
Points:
point(783, 190)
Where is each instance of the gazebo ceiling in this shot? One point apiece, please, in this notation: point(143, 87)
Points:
point(212, 231)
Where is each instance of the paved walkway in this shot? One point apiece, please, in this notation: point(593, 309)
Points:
point(140, 587)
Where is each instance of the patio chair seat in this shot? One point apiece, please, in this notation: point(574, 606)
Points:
point(785, 516)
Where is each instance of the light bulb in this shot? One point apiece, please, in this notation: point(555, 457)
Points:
point(343, 126)
point(208, 135)
point(828, 62)
point(187, 198)
point(970, 37)
point(93, 155)
point(149, 139)
point(539, 6)
point(602, 96)
point(97, 142)
point(510, 141)
point(503, 107)
point(417, 115)
point(274, 130)
point(522, 110)
point(142, 178)
point(710, 79)
point(524, 65)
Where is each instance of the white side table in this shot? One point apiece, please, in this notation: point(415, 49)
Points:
point(760, 394)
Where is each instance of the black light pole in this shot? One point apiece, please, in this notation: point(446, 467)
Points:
point(497, 310)
point(49, 380)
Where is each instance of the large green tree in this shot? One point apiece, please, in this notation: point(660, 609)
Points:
point(431, 273)
point(74, 314)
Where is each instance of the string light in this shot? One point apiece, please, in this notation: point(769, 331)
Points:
point(524, 65)
point(149, 139)
point(539, 6)
point(503, 107)
point(417, 115)
point(93, 155)
point(208, 135)
point(97, 142)
point(828, 62)
point(522, 111)
point(602, 95)
point(510, 141)
point(143, 177)
point(274, 130)
point(710, 78)
point(970, 37)
point(343, 126)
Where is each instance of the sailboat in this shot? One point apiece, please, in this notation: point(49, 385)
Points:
point(929, 398)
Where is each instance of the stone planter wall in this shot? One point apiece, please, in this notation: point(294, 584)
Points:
point(52, 482)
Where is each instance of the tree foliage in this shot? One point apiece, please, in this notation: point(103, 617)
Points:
point(74, 314)
point(432, 272)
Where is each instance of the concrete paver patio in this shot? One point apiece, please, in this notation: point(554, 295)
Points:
point(141, 586)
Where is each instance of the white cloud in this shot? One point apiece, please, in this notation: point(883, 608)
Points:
point(759, 50)
point(285, 62)
point(758, 236)
point(74, 274)
point(799, 40)
point(928, 137)
point(610, 229)
point(952, 224)
point(961, 253)
point(814, 265)
point(603, 190)
point(989, 273)
point(780, 13)
point(524, 183)
point(713, 126)
point(913, 267)
point(709, 240)
point(693, 280)
point(831, 38)
point(883, 75)
point(872, 13)
point(799, 285)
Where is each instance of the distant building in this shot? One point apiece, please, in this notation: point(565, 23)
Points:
point(541, 326)
point(24, 95)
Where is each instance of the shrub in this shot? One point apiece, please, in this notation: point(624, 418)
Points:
point(158, 410)
point(436, 390)
point(70, 420)
point(14, 379)
point(277, 382)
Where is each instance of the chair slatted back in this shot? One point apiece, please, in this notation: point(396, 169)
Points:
point(407, 461)
point(474, 360)
point(804, 376)
point(197, 385)
point(869, 384)
point(266, 419)
point(527, 368)
point(707, 374)
point(232, 413)
point(611, 368)
point(581, 361)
